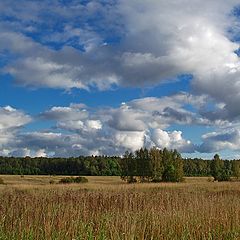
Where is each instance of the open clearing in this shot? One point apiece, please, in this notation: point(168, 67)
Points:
point(107, 208)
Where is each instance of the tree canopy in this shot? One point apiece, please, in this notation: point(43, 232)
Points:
point(152, 165)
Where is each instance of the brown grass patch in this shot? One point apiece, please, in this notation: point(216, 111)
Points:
point(107, 208)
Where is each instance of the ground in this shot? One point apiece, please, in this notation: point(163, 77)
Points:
point(108, 208)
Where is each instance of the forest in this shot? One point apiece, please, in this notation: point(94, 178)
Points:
point(148, 165)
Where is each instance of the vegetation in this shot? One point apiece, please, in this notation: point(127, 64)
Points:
point(106, 208)
point(236, 169)
point(219, 170)
point(73, 180)
point(86, 166)
point(152, 165)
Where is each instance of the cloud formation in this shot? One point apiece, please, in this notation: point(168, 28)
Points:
point(80, 130)
point(154, 41)
point(101, 45)
point(11, 121)
point(217, 141)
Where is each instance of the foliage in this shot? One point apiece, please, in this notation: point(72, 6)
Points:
point(152, 165)
point(196, 167)
point(113, 166)
point(220, 170)
point(82, 165)
point(128, 166)
point(73, 180)
point(236, 169)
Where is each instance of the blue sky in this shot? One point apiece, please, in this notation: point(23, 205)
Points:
point(103, 77)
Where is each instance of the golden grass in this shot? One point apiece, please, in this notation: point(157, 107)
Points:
point(107, 208)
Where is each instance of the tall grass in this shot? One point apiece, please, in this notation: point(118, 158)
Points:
point(203, 211)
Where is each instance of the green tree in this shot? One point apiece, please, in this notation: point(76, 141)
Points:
point(156, 164)
point(128, 165)
point(216, 167)
point(173, 166)
point(236, 169)
point(143, 165)
point(219, 171)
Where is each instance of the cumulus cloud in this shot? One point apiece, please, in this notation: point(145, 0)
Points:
point(11, 120)
point(217, 141)
point(171, 140)
point(100, 44)
point(79, 130)
point(115, 130)
point(64, 144)
point(129, 140)
point(73, 112)
point(164, 111)
point(154, 41)
point(125, 119)
point(23, 152)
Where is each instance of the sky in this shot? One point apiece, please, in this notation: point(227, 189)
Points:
point(81, 77)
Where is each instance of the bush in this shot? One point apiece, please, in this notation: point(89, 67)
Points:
point(73, 180)
point(80, 180)
point(67, 180)
point(1, 181)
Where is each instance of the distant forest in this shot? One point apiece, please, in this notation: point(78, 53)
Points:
point(102, 165)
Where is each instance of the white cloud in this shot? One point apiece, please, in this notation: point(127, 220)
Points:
point(125, 119)
point(129, 140)
point(79, 130)
point(158, 40)
point(115, 130)
point(217, 141)
point(73, 112)
point(154, 42)
point(46, 73)
point(94, 124)
point(11, 120)
point(23, 152)
point(139, 123)
point(171, 140)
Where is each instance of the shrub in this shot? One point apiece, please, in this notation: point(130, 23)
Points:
point(66, 180)
point(73, 180)
point(80, 180)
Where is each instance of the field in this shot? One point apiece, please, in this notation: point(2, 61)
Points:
point(107, 208)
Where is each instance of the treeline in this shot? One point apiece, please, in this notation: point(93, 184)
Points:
point(157, 165)
point(198, 167)
point(151, 164)
point(88, 166)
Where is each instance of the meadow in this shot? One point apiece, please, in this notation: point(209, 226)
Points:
point(108, 208)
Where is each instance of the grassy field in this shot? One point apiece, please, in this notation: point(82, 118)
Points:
point(107, 208)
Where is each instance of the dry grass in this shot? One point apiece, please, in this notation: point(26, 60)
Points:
point(107, 208)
